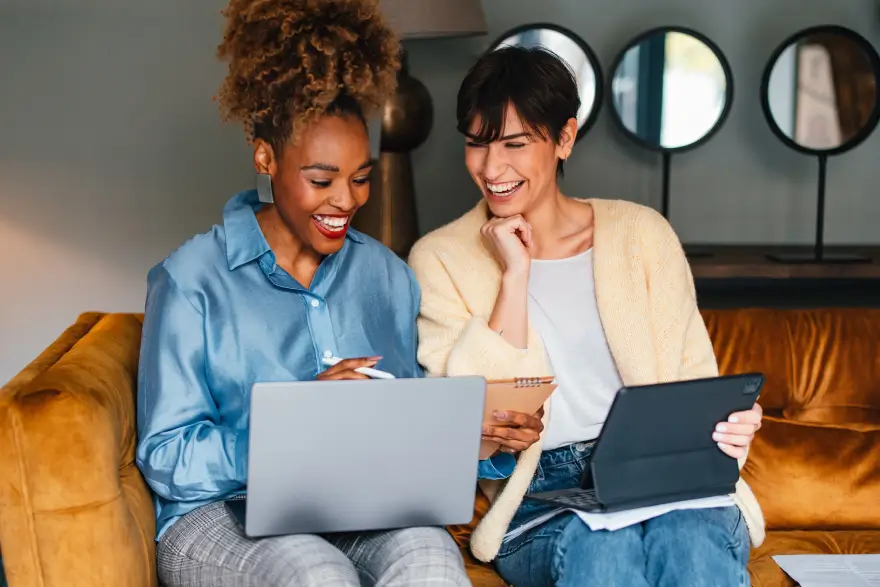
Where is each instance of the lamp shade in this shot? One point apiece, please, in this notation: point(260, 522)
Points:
point(434, 19)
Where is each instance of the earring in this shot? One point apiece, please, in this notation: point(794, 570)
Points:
point(264, 188)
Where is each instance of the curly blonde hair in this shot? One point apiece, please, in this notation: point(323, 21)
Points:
point(292, 61)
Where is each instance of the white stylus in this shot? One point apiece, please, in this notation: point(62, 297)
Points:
point(372, 373)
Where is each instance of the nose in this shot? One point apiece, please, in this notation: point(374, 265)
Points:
point(343, 199)
point(495, 163)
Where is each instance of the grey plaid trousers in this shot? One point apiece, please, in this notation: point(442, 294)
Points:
point(206, 548)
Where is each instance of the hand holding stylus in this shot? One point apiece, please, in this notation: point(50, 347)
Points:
point(348, 369)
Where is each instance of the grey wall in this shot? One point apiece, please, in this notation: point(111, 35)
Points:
point(112, 153)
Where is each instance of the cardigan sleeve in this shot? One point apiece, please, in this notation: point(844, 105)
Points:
point(672, 279)
point(453, 341)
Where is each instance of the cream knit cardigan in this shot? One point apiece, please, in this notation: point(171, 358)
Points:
point(647, 304)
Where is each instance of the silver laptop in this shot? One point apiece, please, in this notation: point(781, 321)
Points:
point(343, 456)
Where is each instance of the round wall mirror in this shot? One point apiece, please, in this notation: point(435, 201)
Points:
point(819, 95)
point(671, 89)
point(819, 92)
point(575, 52)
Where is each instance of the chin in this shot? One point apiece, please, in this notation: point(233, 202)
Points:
point(504, 208)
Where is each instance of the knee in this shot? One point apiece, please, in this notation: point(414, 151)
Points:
point(698, 547)
point(721, 529)
point(431, 549)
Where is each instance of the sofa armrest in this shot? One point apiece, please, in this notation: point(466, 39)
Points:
point(73, 508)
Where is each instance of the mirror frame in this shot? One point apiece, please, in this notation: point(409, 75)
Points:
point(588, 51)
point(873, 118)
point(728, 94)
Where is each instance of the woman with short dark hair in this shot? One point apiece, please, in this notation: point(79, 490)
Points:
point(597, 292)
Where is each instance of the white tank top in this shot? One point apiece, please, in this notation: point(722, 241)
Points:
point(563, 310)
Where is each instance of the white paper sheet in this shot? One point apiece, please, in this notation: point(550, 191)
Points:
point(831, 570)
point(618, 520)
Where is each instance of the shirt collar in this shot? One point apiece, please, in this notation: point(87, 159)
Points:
point(244, 238)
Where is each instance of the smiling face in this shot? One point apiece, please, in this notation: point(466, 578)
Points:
point(321, 180)
point(518, 170)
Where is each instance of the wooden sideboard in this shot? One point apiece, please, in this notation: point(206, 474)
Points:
point(742, 276)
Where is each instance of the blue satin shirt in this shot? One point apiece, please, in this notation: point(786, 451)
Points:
point(221, 315)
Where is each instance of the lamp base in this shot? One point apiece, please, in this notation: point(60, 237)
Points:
point(812, 258)
point(389, 215)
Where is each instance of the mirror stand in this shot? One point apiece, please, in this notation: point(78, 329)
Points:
point(819, 255)
point(664, 202)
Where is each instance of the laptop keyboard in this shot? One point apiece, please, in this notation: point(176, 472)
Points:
point(582, 499)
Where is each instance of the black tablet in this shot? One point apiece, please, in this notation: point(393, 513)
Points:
point(657, 439)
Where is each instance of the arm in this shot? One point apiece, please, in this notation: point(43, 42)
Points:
point(183, 451)
point(510, 316)
point(454, 342)
point(446, 327)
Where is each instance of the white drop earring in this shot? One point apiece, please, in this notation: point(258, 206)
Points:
point(264, 188)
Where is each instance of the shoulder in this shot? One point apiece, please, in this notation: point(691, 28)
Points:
point(377, 254)
point(193, 262)
point(635, 222)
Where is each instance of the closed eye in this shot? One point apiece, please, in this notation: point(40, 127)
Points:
point(514, 145)
point(320, 183)
point(362, 180)
point(475, 145)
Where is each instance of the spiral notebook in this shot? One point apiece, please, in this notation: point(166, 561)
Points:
point(520, 394)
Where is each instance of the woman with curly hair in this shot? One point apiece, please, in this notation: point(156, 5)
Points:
point(264, 296)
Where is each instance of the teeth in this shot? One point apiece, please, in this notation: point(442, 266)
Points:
point(333, 222)
point(503, 188)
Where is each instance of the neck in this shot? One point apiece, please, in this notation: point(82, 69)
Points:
point(291, 254)
point(551, 221)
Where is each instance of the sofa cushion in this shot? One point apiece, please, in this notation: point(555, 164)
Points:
point(71, 498)
point(766, 573)
point(836, 375)
point(815, 477)
point(821, 364)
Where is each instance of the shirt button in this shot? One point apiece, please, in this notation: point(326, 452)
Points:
point(327, 354)
point(315, 303)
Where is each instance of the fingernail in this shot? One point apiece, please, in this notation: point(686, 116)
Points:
point(716, 436)
point(722, 446)
point(374, 358)
point(733, 419)
point(500, 415)
point(485, 430)
point(721, 428)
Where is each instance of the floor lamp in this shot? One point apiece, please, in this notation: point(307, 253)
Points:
point(407, 118)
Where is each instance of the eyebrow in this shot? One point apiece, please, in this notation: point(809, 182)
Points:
point(331, 168)
point(504, 138)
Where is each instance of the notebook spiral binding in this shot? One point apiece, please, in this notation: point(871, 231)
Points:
point(527, 382)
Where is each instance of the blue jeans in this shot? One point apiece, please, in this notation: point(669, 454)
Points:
point(693, 548)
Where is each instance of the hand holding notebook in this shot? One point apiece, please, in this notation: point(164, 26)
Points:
point(519, 400)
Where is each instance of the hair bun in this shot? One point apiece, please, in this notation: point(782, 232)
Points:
point(289, 60)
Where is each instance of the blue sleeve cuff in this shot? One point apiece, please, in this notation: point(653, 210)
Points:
point(496, 467)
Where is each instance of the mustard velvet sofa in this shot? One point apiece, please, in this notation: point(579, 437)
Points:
point(75, 511)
